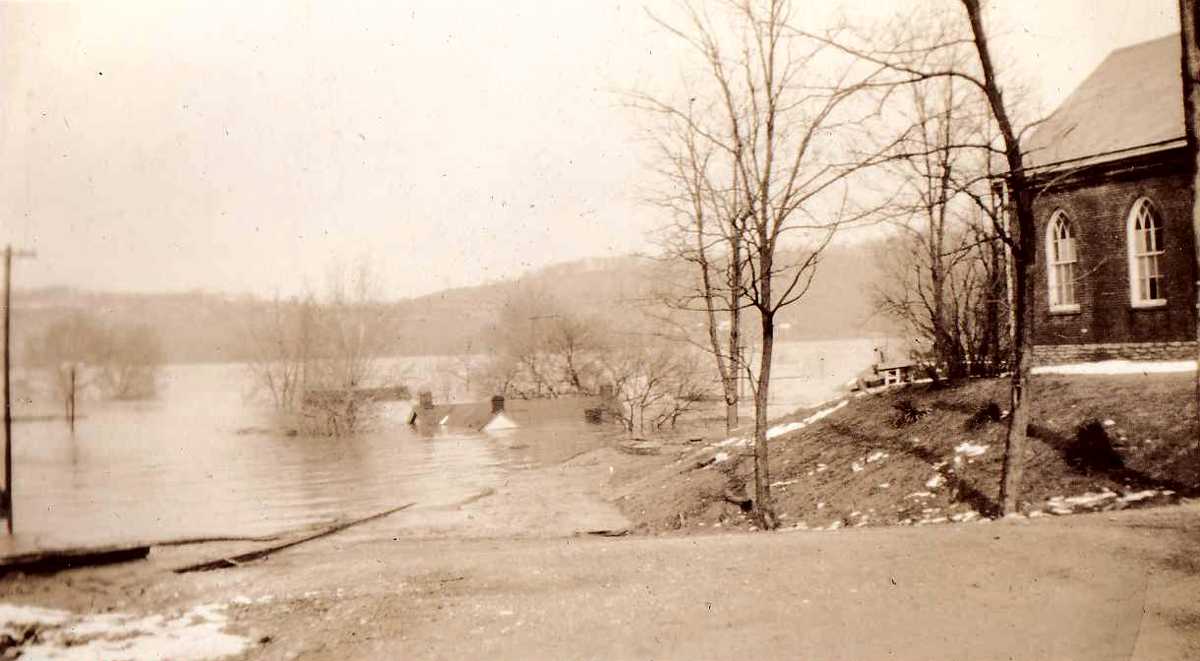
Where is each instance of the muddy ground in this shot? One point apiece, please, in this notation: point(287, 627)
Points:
point(514, 575)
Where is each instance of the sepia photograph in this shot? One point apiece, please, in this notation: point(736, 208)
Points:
point(826, 330)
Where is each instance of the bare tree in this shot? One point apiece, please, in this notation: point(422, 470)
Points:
point(940, 272)
point(70, 351)
point(705, 235)
point(576, 341)
point(280, 343)
point(653, 385)
point(353, 331)
point(775, 118)
point(319, 358)
point(129, 369)
point(915, 55)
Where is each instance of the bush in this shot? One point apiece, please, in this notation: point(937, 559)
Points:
point(989, 412)
point(907, 413)
point(1092, 449)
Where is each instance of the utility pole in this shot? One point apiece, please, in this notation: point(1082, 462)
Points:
point(6, 499)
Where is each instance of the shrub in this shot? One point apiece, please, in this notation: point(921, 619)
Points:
point(907, 413)
point(989, 412)
point(1092, 449)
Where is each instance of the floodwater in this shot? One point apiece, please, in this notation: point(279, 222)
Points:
point(195, 461)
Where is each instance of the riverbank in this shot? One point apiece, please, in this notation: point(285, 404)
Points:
point(926, 454)
point(541, 565)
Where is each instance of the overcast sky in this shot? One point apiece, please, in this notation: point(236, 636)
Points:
point(244, 147)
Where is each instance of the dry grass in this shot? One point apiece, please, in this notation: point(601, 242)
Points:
point(1153, 426)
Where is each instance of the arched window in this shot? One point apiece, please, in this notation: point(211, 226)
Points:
point(1061, 258)
point(1145, 256)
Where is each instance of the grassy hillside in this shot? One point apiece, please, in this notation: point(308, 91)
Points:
point(862, 465)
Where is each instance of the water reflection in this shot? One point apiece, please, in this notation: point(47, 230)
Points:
point(179, 467)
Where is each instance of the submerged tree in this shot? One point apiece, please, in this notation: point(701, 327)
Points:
point(318, 357)
point(79, 353)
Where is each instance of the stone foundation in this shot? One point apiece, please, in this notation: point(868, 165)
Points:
point(1058, 354)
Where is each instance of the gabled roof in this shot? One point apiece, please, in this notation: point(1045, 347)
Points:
point(523, 413)
point(1132, 103)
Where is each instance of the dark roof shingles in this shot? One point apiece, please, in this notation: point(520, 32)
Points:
point(1134, 98)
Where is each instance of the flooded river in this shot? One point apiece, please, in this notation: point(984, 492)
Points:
point(185, 465)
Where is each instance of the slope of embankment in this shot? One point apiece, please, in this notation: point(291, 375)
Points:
point(926, 454)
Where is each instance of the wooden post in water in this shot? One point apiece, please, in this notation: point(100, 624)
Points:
point(71, 404)
point(6, 501)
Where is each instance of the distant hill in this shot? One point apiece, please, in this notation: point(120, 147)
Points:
point(206, 327)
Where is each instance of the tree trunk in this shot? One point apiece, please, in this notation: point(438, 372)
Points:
point(1015, 440)
point(1189, 22)
point(1023, 253)
point(763, 507)
point(735, 335)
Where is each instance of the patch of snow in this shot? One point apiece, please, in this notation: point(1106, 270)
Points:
point(780, 430)
point(1110, 422)
point(969, 449)
point(197, 633)
point(784, 483)
point(241, 600)
point(720, 457)
point(1084, 500)
point(884, 485)
point(820, 506)
point(936, 481)
point(822, 467)
point(1120, 367)
point(878, 455)
point(824, 412)
point(1139, 495)
point(787, 428)
point(920, 494)
point(857, 467)
point(732, 440)
point(835, 525)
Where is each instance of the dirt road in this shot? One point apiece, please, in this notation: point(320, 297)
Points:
point(1114, 586)
point(507, 576)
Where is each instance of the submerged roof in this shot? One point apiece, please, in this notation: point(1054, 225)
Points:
point(1132, 102)
point(517, 413)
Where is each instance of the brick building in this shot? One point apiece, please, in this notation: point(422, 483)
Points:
point(1116, 271)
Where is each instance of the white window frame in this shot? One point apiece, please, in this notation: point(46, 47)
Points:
point(1059, 218)
point(1132, 248)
